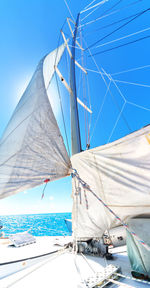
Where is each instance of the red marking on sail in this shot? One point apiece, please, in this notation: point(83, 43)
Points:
point(46, 180)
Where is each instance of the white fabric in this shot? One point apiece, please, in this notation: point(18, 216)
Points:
point(32, 148)
point(49, 62)
point(119, 173)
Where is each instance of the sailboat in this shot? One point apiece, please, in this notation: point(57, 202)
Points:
point(110, 184)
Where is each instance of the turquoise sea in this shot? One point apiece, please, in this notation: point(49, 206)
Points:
point(51, 224)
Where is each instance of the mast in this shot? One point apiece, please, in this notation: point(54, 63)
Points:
point(75, 129)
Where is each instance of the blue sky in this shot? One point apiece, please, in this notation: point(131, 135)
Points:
point(28, 31)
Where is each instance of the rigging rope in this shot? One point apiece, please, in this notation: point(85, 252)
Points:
point(110, 25)
point(69, 9)
point(85, 186)
point(97, 4)
point(132, 83)
point(34, 268)
point(120, 72)
point(114, 12)
point(90, 120)
point(117, 105)
point(85, 111)
point(123, 25)
point(139, 106)
point(90, 13)
point(101, 108)
point(116, 122)
point(129, 102)
point(109, 77)
point(62, 115)
point(61, 107)
point(45, 181)
point(82, 80)
point(89, 5)
point(114, 81)
point(143, 38)
point(126, 36)
point(125, 101)
point(129, 70)
point(109, 9)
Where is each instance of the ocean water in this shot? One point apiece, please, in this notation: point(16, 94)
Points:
point(51, 224)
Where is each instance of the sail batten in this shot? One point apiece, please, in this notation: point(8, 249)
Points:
point(32, 148)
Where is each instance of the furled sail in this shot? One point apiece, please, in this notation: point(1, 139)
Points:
point(32, 149)
point(119, 173)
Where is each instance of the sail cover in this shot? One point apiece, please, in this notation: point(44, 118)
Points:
point(119, 173)
point(32, 149)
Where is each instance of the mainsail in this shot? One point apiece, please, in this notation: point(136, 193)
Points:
point(32, 149)
point(118, 173)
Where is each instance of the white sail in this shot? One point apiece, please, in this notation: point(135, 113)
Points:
point(119, 173)
point(32, 149)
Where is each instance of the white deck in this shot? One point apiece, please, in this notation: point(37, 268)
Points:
point(59, 269)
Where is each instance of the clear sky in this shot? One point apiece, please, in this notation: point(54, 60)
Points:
point(29, 29)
